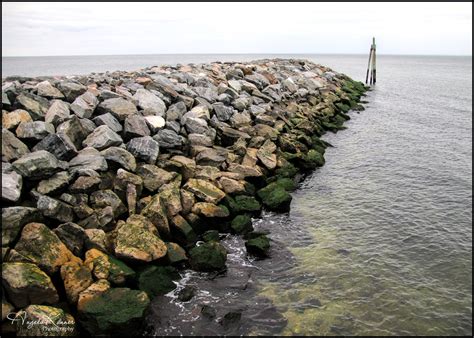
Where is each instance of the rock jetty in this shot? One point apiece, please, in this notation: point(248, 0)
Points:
point(112, 182)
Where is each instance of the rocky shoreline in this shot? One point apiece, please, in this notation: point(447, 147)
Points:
point(112, 182)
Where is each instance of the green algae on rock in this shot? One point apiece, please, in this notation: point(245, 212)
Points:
point(209, 256)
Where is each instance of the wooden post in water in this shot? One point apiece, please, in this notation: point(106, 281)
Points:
point(371, 65)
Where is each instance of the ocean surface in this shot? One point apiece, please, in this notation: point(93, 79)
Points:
point(377, 242)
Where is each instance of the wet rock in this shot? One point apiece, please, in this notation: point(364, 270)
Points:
point(210, 235)
point(55, 322)
point(204, 190)
point(36, 130)
point(71, 90)
point(155, 211)
point(312, 159)
point(208, 312)
point(12, 148)
point(115, 311)
point(25, 283)
point(88, 159)
point(157, 280)
point(258, 245)
point(154, 177)
point(209, 256)
point(275, 197)
point(38, 165)
point(175, 253)
point(210, 210)
point(54, 184)
point(182, 230)
point(46, 89)
point(121, 157)
point(167, 138)
point(186, 294)
point(118, 107)
point(13, 220)
point(11, 183)
point(76, 277)
point(108, 120)
point(135, 126)
point(242, 224)
point(242, 203)
point(137, 240)
point(11, 120)
point(144, 148)
point(150, 103)
point(58, 144)
point(73, 236)
point(230, 319)
point(35, 105)
point(84, 105)
point(41, 246)
point(102, 137)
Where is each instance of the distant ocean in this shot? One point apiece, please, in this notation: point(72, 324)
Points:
point(382, 234)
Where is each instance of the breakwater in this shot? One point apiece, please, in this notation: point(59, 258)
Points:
point(113, 182)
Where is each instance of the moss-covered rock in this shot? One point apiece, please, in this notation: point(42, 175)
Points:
point(210, 235)
point(242, 224)
point(243, 204)
point(116, 311)
point(258, 245)
point(275, 197)
point(210, 210)
point(209, 256)
point(204, 190)
point(288, 170)
point(107, 267)
point(76, 277)
point(157, 280)
point(53, 322)
point(25, 284)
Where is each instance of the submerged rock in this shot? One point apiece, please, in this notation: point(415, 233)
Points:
point(157, 280)
point(209, 256)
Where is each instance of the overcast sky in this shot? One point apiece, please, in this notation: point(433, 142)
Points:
point(30, 29)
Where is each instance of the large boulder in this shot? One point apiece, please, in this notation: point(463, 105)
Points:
point(275, 197)
point(118, 107)
point(55, 209)
point(168, 138)
point(25, 283)
point(150, 103)
point(156, 212)
point(120, 157)
point(154, 177)
point(75, 130)
point(73, 236)
point(209, 256)
point(144, 148)
point(37, 106)
point(88, 159)
point(117, 311)
point(12, 183)
point(204, 190)
point(13, 220)
point(135, 126)
point(57, 113)
point(11, 120)
point(35, 130)
point(46, 89)
point(54, 322)
point(54, 184)
point(71, 90)
point(102, 137)
point(38, 165)
point(257, 244)
point(42, 246)
point(12, 148)
point(58, 144)
point(157, 280)
point(137, 240)
point(76, 277)
point(170, 193)
point(108, 120)
point(108, 267)
point(84, 105)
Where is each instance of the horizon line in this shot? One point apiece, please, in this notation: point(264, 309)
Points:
point(309, 53)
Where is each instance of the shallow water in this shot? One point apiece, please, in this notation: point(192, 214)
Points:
point(379, 240)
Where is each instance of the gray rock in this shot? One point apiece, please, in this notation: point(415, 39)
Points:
point(84, 105)
point(167, 138)
point(54, 184)
point(102, 137)
point(210, 157)
point(135, 126)
point(13, 220)
point(235, 84)
point(38, 165)
point(154, 177)
point(36, 130)
point(57, 113)
point(11, 183)
point(200, 140)
point(257, 79)
point(60, 145)
point(256, 110)
point(12, 148)
point(55, 209)
point(210, 94)
point(223, 112)
point(240, 119)
point(289, 85)
point(37, 106)
point(5, 100)
point(71, 90)
point(74, 129)
point(47, 90)
point(174, 126)
point(265, 119)
point(144, 148)
point(88, 159)
point(106, 198)
point(108, 120)
point(196, 125)
point(155, 123)
point(229, 136)
point(108, 94)
point(85, 185)
point(119, 108)
point(73, 236)
point(121, 157)
point(150, 103)
point(241, 103)
point(176, 111)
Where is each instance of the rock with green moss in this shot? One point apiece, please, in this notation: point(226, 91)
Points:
point(175, 254)
point(76, 277)
point(157, 280)
point(117, 311)
point(275, 197)
point(42, 246)
point(209, 256)
point(243, 204)
point(258, 245)
point(155, 211)
point(210, 210)
point(242, 224)
point(104, 266)
point(210, 235)
point(137, 240)
point(288, 170)
point(55, 322)
point(25, 283)
point(204, 190)
point(312, 160)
